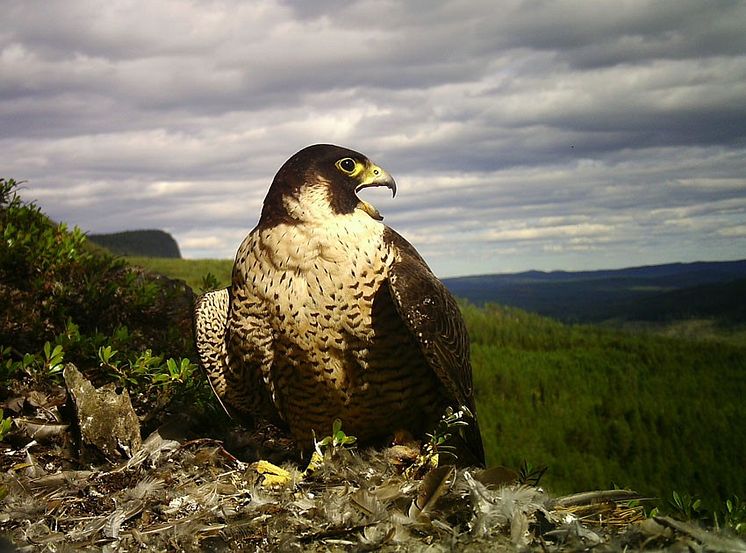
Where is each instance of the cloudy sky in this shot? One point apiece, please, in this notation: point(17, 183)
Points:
point(522, 135)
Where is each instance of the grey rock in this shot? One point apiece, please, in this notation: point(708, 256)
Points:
point(105, 416)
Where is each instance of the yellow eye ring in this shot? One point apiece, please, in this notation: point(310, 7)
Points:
point(349, 166)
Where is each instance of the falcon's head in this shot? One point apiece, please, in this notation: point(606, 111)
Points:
point(321, 181)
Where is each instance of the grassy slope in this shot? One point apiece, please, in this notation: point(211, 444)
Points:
point(597, 405)
point(189, 270)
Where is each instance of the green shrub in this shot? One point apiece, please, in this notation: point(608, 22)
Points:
point(62, 300)
point(50, 279)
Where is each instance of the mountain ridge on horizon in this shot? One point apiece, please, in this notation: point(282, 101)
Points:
point(588, 272)
point(713, 289)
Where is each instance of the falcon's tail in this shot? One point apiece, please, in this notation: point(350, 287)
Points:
point(474, 443)
point(210, 324)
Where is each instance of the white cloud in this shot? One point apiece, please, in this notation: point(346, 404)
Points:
point(736, 231)
point(562, 231)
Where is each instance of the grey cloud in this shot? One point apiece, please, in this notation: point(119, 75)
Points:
point(536, 123)
point(591, 35)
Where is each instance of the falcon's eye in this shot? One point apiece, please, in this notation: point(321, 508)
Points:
point(348, 166)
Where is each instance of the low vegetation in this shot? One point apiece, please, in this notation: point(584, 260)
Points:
point(62, 301)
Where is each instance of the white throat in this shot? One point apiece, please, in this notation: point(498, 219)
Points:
point(311, 205)
point(319, 234)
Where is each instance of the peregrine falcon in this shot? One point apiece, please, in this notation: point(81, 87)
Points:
point(332, 314)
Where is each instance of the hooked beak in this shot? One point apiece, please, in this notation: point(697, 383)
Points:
point(375, 176)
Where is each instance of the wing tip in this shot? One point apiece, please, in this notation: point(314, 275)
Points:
point(210, 327)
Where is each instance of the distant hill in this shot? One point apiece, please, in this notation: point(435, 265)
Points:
point(144, 243)
point(651, 293)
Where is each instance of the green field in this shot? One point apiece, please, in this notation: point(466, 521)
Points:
point(599, 406)
point(192, 271)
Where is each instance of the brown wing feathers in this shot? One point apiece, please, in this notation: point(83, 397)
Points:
point(434, 319)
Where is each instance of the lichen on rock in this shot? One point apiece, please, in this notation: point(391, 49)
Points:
point(105, 416)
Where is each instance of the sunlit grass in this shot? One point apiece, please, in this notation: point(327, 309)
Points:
point(191, 271)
